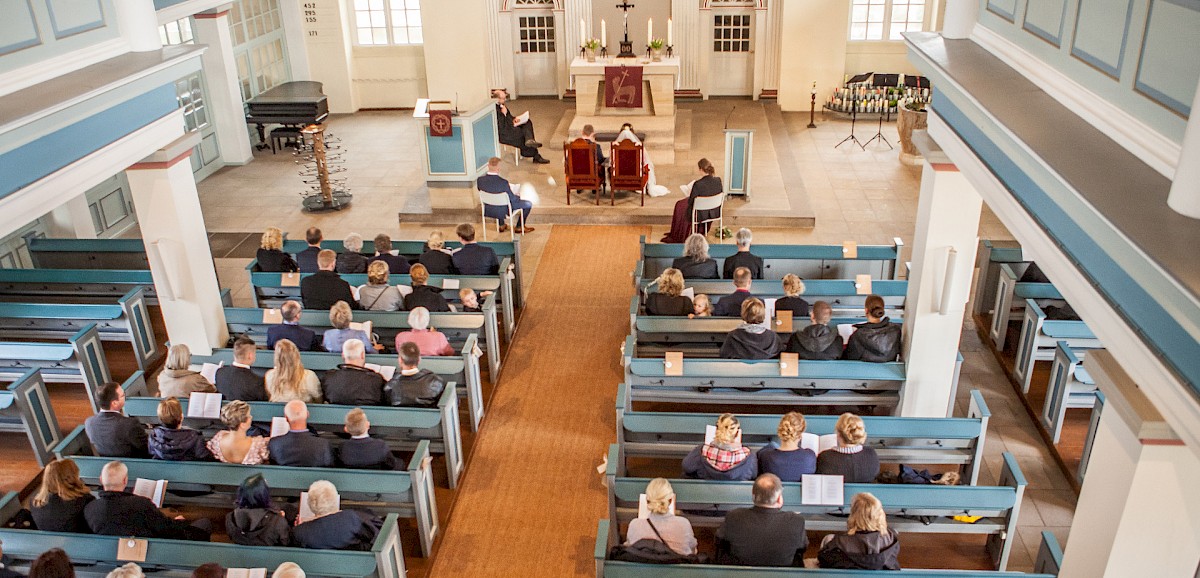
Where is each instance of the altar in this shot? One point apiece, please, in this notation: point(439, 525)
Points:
point(656, 117)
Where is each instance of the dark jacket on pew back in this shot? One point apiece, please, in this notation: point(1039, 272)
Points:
point(874, 342)
point(353, 385)
point(760, 536)
point(817, 341)
point(258, 527)
point(242, 383)
point(366, 453)
point(115, 435)
point(178, 445)
point(301, 449)
point(344, 530)
point(125, 514)
point(62, 516)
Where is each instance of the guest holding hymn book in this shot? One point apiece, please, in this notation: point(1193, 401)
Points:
point(238, 381)
point(492, 182)
point(352, 261)
point(818, 340)
point(743, 257)
point(424, 295)
point(788, 460)
point(877, 340)
point(397, 264)
point(430, 341)
point(324, 288)
point(112, 433)
point(663, 524)
point(868, 543)
point(764, 535)
point(436, 258)
point(707, 185)
point(177, 379)
point(173, 442)
point(793, 287)
point(751, 339)
point(473, 258)
point(340, 318)
point(731, 304)
point(234, 445)
point(352, 383)
point(270, 255)
point(361, 451)
point(255, 520)
point(377, 294)
point(332, 528)
point(58, 504)
point(413, 386)
point(855, 462)
point(303, 338)
point(116, 512)
point(300, 447)
point(695, 262)
point(724, 458)
point(307, 259)
point(515, 133)
point(289, 380)
point(668, 299)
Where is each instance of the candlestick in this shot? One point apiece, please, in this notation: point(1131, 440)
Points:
point(582, 32)
point(603, 34)
point(649, 30)
point(670, 33)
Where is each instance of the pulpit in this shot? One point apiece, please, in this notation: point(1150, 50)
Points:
point(463, 155)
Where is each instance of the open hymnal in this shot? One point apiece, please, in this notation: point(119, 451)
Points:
point(520, 120)
point(767, 319)
point(846, 330)
point(449, 284)
point(279, 426)
point(245, 573)
point(710, 432)
point(689, 292)
point(209, 371)
point(387, 371)
point(817, 490)
point(204, 405)
point(306, 514)
point(405, 290)
point(816, 443)
point(154, 490)
point(644, 508)
point(366, 326)
point(356, 292)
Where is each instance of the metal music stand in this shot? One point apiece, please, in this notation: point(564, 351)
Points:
point(879, 133)
point(853, 120)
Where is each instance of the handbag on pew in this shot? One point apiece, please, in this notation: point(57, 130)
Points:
point(651, 551)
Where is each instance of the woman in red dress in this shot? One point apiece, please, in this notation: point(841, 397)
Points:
point(681, 220)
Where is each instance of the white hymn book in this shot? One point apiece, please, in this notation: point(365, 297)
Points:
point(153, 490)
point(204, 405)
point(387, 371)
point(279, 426)
point(816, 443)
point(818, 490)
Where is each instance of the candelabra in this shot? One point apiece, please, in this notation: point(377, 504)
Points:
point(320, 155)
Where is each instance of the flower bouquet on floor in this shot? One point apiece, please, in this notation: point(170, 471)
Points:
point(724, 233)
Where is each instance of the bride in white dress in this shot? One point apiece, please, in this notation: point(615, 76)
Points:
point(652, 187)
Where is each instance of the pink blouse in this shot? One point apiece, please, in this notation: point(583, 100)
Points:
point(431, 342)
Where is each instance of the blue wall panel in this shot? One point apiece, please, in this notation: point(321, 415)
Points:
point(483, 131)
point(738, 178)
point(1101, 29)
point(18, 27)
point(1044, 18)
point(1005, 8)
point(446, 153)
point(1169, 67)
point(74, 16)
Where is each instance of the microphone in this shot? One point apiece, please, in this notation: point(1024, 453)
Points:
point(456, 113)
point(729, 115)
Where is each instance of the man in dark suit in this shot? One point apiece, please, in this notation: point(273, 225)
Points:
point(397, 264)
point(325, 287)
point(331, 528)
point(116, 512)
point(304, 338)
point(588, 133)
point(307, 259)
point(361, 451)
point(763, 535)
point(492, 182)
point(112, 433)
point(743, 257)
point(513, 134)
point(299, 447)
point(473, 258)
point(413, 386)
point(238, 381)
point(731, 305)
point(351, 383)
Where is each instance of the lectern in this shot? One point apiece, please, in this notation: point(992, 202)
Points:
point(462, 156)
point(739, 152)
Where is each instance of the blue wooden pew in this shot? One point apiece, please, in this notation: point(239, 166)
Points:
point(606, 568)
point(127, 254)
point(988, 259)
point(462, 369)
point(73, 285)
point(1011, 295)
point(25, 407)
point(94, 555)
point(1071, 387)
point(807, 261)
point(1050, 555)
point(408, 493)
point(1040, 337)
point(705, 502)
point(898, 440)
point(841, 294)
point(80, 360)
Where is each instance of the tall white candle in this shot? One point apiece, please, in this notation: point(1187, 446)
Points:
point(582, 32)
point(670, 33)
point(649, 30)
point(603, 34)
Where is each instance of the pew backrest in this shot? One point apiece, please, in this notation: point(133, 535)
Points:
point(88, 254)
point(1039, 336)
point(25, 407)
point(988, 258)
point(73, 285)
point(81, 360)
point(807, 261)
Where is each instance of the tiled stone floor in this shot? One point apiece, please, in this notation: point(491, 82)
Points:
point(867, 196)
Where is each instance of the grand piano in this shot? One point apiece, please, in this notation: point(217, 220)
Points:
point(297, 103)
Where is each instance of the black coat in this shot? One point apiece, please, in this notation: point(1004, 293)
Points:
point(743, 259)
point(437, 262)
point(742, 343)
point(816, 341)
point(350, 263)
point(366, 454)
point(475, 259)
point(115, 435)
point(857, 468)
point(762, 537)
point(731, 304)
point(397, 264)
point(422, 389)
point(125, 514)
point(344, 530)
point(691, 269)
point(427, 297)
point(352, 385)
point(875, 342)
point(307, 259)
point(305, 339)
point(797, 305)
point(258, 527)
point(301, 449)
point(178, 445)
point(663, 304)
point(862, 551)
point(61, 516)
point(706, 186)
point(275, 261)
point(242, 383)
point(324, 288)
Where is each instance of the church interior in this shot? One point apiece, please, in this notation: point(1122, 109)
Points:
point(1011, 187)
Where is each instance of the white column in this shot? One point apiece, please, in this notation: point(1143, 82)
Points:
point(224, 89)
point(772, 33)
point(292, 16)
point(960, 19)
point(939, 282)
point(1185, 187)
point(572, 12)
point(73, 219)
point(1137, 512)
point(760, 51)
point(686, 18)
point(500, 73)
point(168, 210)
point(138, 23)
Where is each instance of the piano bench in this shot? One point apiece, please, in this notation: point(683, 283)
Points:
point(283, 135)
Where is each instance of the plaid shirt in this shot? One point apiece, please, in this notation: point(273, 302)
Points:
point(724, 459)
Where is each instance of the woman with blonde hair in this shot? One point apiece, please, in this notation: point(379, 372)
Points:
point(695, 262)
point(877, 340)
point(340, 317)
point(668, 299)
point(868, 544)
point(437, 258)
point(289, 380)
point(701, 306)
point(788, 460)
point(793, 288)
point(58, 504)
point(724, 458)
point(377, 295)
point(234, 446)
point(423, 294)
point(662, 524)
point(430, 341)
point(270, 256)
point(176, 379)
point(752, 339)
point(857, 463)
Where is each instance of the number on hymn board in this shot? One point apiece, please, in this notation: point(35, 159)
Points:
point(312, 32)
point(310, 5)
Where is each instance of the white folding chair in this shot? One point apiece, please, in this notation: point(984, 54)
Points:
point(516, 151)
point(499, 200)
point(708, 204)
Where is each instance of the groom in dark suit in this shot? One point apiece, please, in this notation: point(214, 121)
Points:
point(492, 182)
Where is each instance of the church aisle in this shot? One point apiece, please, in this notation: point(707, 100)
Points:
point(531, 497)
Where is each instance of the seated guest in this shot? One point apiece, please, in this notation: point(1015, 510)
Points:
point(469, 301)
point(751, 340)
point(377, 295)
point(514, 133)
point(58, 504)
point(764, 535)
point(725, 458)
point(743, 257)
point(663, 525)
point(331, 528)
point(112, 433)
point(667, 300)
point(473, 258)
point(731, 305)
point(130, 570)
point(352, 261)
point(302, 337)
point(423, 295)
point(300, 446)
point(209, 570)
point(789, 461)
point(430, 341)
point(176, 380)
point(695, 262)
point(352, 383)
point(53, 563)
point(234, 445)
point(589, 134)
point(238, 381)
point(818, 340)
point(868, 543)
point(411, 385)
point(255, 521)
point(492, 182)
point(288, 570)
point(878, 339)
point(397, 264)
point(324, 288)
point(116, 512)
point(707, 184)
point(793, 287)
point(701, 306)
point(289, 379)
point(270, 256)
point(437, 258)
point(173, 442)
point(856, 463)
point(307, 259)
point(361, 451)
point(340, 318)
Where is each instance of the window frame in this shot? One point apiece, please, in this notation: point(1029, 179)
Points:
point(388, 28)
point(886, 35)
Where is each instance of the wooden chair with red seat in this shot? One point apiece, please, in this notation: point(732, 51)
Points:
point(579, 164)
point(627, 169)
